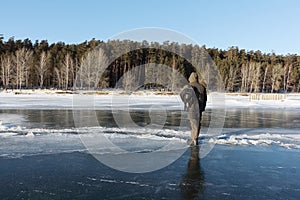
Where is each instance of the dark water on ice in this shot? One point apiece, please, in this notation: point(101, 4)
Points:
point(234, 170)
point(235, 118)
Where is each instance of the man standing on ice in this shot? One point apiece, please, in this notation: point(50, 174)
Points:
point(194, 97)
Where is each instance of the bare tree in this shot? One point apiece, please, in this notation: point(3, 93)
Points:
point(276, 77)
point(75, 70)
point(286, 76)
point(129, 80)
point(67, 71)
point(42, 68)
point(92, 69)
point(80, 76)
point(265, 78)
point(257, 77)
point(6, 69)
point(245, 75)
point(58, 76)
point(250, 77)
point(65, 74)
point(233, 72)
point(22, 59)
point(150, 73)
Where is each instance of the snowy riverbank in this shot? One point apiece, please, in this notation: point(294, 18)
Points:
point(57, 99)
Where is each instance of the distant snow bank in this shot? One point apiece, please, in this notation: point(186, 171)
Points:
point(106, 99)
point(87, 92)
point(292, 101)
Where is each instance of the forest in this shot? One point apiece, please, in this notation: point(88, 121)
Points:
point(29, 65)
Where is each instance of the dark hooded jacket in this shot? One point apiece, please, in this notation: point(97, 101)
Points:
point(201, 90)
point(195, 102)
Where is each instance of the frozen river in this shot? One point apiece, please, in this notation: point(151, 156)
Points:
point(42, 155)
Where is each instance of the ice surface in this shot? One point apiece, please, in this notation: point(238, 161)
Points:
point(17, 140)
point(21, 141)
point(171, 102)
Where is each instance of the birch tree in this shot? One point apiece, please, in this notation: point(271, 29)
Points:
point(58, 77)
point(6, 69)
point(92, 69)
point(276, 77)
point(286, 76)
point(256, 77)
point(232, 78)
point(244, 72)
point(22, 59)
point(67, 70)
point(42, 68)
point(265, 78)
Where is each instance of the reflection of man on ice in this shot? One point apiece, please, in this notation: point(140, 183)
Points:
point(192, 185)
point(194, 97)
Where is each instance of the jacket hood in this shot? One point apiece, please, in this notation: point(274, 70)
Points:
point(193, 77)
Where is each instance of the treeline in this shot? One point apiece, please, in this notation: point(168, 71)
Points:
point(24, 64)
point(252, 71)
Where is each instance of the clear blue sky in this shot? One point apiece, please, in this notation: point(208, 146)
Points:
point(266, 25)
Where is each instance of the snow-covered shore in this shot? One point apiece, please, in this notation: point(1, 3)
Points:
point(56, 99)
point(292, 101)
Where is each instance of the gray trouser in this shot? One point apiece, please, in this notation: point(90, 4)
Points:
point(195, 121)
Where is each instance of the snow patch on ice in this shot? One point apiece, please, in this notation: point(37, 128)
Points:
point(20, 141)
point(287, 140)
